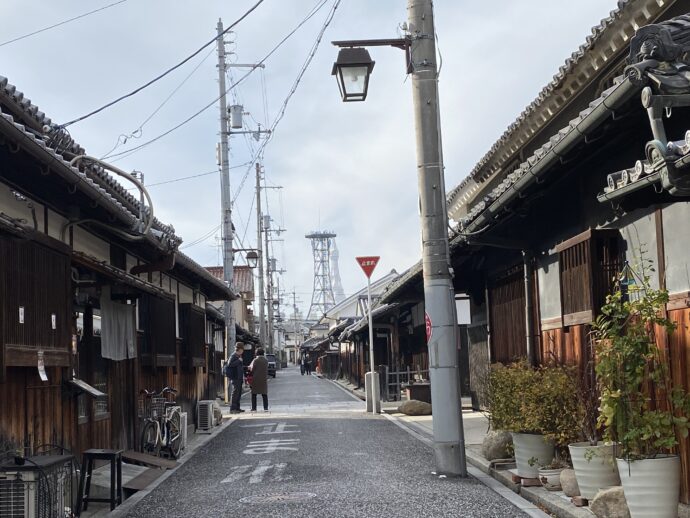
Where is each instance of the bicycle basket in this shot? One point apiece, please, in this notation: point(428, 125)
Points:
point(158, 407)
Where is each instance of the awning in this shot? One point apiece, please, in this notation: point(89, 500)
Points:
point(82, 386)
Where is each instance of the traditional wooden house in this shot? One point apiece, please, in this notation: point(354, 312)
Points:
point(96, 302)
point(593, 174)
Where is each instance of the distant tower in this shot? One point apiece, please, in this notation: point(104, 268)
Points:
point(322, 298)
point(335, 275)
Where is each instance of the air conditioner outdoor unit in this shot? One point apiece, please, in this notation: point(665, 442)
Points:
point(204, 416)
point(28, 491)
point(183, 430)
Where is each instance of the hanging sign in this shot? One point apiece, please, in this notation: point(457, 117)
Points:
point(367, 264)
point(427, 324)
point(41, 366)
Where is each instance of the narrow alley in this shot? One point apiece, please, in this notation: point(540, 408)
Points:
point(316, 453)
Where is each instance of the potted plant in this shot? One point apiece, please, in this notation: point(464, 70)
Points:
point(593, 459)
point(537, 406)
point(550, 475)
point(641, 411)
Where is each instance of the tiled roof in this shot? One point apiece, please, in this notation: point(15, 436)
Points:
point(55, 147)
point(242, 277)
point(607, 40)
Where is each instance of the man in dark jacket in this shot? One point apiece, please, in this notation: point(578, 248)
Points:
point(236, 377)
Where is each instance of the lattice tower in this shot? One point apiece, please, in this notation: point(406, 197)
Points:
point(322, 298)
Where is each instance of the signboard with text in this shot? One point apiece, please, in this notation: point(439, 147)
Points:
point(368, 264)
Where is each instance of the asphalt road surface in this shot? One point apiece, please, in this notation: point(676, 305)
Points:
point(316, 453)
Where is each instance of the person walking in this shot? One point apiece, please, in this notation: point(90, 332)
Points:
point(259, 384)
point(235, 374)
point(302, 365)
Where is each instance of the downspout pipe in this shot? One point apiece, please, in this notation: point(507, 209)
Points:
point(529, 308)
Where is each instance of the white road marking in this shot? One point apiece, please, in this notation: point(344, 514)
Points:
point(273, 445)
point(258, 473)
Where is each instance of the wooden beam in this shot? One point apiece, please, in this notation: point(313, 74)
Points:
point(164, 264)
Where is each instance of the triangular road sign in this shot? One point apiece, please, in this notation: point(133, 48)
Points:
point(368, 264)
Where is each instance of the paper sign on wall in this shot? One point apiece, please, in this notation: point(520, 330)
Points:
point(41, 366)
point(53, 320)
point(21, 314)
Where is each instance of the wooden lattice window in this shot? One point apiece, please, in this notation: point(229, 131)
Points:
point(193, 333)
point(507, 316)
point(157, 317)
point(588, 264)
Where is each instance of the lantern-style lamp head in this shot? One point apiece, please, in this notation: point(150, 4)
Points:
point(276, 304)
point(252, 258)
point(352, 71)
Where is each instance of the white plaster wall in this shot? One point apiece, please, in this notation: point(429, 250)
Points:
point(89, 244)
point(186, 294)
point(55, 224)
point(676, 219)
point(549, 287)
point(18, 209)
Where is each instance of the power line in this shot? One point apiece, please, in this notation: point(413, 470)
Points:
point(137, 133)
point(202, 238)
point(281, 112)
point(161, 76)
point(124, 154)
point(60, 23)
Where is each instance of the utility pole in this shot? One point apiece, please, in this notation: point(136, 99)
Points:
point(259, 245)
point(439, 294)
point(296, 327)
point(226, 202)
point(269, 284)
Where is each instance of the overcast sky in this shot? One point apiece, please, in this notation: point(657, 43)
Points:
point(344, 167)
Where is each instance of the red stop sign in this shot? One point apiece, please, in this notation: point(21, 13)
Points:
point(367, 264)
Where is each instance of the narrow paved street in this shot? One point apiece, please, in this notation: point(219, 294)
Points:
point(316, 454)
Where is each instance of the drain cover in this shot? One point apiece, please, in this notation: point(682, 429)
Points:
point(274, 498)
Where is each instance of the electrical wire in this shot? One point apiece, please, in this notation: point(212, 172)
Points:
point(174, 180)
point(126, 153)
point(281, 112)
point(137, 133)
point(13, 40)
point(168, 71)
point(202, 238)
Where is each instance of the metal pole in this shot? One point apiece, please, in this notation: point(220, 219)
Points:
point(371, 327)
point(225, 201)
point(259, 245)
point(269, 286)
point(449, 442)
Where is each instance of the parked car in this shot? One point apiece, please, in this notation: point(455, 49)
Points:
point(271, 364)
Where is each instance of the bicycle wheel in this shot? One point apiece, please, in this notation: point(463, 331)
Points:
point(149, 438)
point(175, 433)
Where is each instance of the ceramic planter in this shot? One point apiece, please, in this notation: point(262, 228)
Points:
point(599, 472)
point(535, 447)
point(651, 486)
point(550, 478)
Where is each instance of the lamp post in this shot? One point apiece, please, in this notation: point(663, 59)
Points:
point(439, 295)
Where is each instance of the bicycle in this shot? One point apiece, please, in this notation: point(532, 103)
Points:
point(162, 423)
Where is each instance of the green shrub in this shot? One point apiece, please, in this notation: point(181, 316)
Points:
point(540, 401)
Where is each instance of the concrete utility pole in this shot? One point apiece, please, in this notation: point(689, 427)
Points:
point(439, 294)
point(269, 285)
point(296, 327)
point(226, 202)
point(259, 245)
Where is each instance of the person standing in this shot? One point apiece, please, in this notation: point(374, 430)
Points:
point(259, 384)
point(235, 370)
point(302, 365)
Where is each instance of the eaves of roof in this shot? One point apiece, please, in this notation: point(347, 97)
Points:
point(411, 276)
point(548, 155)
point(607, 41)
point(214, 288)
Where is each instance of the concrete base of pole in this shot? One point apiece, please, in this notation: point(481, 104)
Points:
point(373, 392)
point(449, 459)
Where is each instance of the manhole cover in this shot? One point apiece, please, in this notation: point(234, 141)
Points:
point(278, 498)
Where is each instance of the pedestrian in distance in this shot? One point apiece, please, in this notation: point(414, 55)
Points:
point(234, 370)
point(307, 366)
point(259, 384)
point(302, 365)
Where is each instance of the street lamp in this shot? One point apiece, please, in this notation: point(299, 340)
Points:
point(352, 70)
point(252, 256)
point(276, 304)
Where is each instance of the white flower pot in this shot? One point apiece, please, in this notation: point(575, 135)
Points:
point(550, 478)
point(597, 473)
point(531, 446)
point(651, 486)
